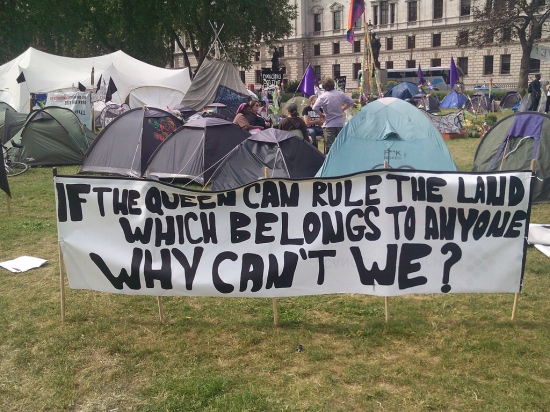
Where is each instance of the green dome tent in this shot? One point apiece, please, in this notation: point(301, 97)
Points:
point(52, 136)
point(387, 129)
point(512, 143)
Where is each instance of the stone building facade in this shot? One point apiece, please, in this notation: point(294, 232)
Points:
point(425, 32)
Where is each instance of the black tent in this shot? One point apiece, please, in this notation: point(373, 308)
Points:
point(222, 110)
point(127, 143)
point(283, 153)
point(194, 150)
point(428, 102)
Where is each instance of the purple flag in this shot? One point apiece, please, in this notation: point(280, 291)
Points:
point(307, 85)
point(454, 74)
point(421, 79)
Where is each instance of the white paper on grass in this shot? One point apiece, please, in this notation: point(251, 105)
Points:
point(22, 264)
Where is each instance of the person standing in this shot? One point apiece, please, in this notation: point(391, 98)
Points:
point(535, 92)
point(333, 103)
point(314, 121)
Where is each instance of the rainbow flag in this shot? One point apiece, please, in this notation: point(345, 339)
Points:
point(356, 9)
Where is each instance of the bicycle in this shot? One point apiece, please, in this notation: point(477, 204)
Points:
point(12, 167)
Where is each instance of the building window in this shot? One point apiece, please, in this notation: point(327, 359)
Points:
point(357, 46)
point(335, 48)
point(317, 22)
point(435, 62)
point(411, 64)
point(465, 7)
point(462, 64)
point(436, 40)
point(358, 24)
point(335, 70)
point(392, 13)
point(412, 14)
point(316, 49)
point(282, 51)
point(462, 38)
point(337, 20)
point(258, 74)
point(534, 66)
point(411, 40)
point(242, 73)
point(383, 12)
point(487, 64)
point(438, 9)
point(506, 35)
point(389, 43)
point(505, 60)
point(389, 65)
point(489, 36)
point(356, 69)
point(257, 56)
point(317, 71)
point(375, 15)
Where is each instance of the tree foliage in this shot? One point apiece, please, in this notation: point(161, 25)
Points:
point(146, 30)
point(500, 22)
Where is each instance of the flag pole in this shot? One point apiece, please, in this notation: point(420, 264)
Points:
point(301, 81)
point(274, 300)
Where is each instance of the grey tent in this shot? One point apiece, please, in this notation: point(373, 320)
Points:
point(221, 110)
point(282, 153)
point(512, 143)
point(510, 99)
point(478, 102)
point(52, 136)
point(194, 150)
point(127, 143)
point(212, 74)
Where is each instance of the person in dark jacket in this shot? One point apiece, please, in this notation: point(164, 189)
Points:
point(293, 122)
point(535, 91)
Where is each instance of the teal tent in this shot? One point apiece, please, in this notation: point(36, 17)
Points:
point(392, 130)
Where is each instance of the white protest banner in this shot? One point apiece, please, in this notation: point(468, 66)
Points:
point(378, 233)
point(79, 102)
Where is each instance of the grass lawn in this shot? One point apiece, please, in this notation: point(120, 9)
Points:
point(456, 352)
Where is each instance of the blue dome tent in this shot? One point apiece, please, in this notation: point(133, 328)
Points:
point(403, 90)
point(453, 100)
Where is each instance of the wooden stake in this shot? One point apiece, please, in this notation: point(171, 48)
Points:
point(386, 299)
point(275, 314)
point(61, 272)
point(515, 307)
point(161, 309)
point(61, 282)
point(516, 295)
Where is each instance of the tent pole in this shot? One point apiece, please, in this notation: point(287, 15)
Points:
point(61, 273)
point(275, 313)
point(516, 295)
point(386, 299)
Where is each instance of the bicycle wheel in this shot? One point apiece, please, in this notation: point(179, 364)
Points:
point(16, 168)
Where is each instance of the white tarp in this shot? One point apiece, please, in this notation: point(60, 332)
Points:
point(379, 233)
point(79, 102)
point(45, 73)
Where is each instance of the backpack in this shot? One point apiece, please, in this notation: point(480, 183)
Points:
point(530, 88)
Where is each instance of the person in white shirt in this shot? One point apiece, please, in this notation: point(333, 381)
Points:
point(333, 103)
